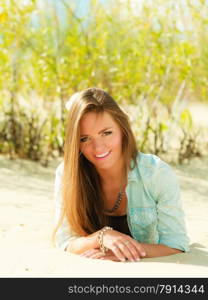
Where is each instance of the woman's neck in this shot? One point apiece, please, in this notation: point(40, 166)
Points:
point(114, 176)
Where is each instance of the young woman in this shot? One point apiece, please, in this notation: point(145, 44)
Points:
point(112, 201)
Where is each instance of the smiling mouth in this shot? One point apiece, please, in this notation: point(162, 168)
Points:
point(102, 156)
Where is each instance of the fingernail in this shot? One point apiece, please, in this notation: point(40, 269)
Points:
point(123, 259)
point(138, 259)
point(143, 253)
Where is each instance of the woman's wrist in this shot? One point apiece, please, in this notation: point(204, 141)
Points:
point(100, 238)
point(81, 244)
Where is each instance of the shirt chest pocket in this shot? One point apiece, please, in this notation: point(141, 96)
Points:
point(144, 224)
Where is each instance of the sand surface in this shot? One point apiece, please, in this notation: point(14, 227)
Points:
point(26, 220)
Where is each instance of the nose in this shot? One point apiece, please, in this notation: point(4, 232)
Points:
point(98, 146)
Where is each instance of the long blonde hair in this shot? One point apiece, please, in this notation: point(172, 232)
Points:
point(83, 204)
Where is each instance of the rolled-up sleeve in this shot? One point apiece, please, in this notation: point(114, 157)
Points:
point(170, 215)
point(64, 234)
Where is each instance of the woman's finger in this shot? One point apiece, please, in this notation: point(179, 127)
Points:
point(126, 251)
point(135, 248)
point(118, 253)
point(130, 248)
point(93, 253)
point(123, 246)
point(110, 257)
point(89, 252)
point(97, 255)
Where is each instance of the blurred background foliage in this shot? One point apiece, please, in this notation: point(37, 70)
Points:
point(151, 56)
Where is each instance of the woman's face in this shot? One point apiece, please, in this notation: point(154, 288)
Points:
point(101, 140)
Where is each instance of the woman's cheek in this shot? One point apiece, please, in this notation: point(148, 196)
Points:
point(85, 151)
point(116, 142)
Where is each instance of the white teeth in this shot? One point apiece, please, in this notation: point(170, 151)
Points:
point(102, 155)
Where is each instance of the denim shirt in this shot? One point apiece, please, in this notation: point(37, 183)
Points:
point(154, 210)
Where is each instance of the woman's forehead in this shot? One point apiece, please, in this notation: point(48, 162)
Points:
point(94, 122)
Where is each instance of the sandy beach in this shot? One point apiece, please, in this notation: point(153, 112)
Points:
point(26, 222)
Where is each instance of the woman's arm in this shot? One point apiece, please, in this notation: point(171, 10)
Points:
point(64, 235)
point(82, 244)
point(88, 247)
point(171, 226)
point(152, 250)
point(157, 250)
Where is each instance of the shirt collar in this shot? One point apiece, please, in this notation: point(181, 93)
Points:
point(132, 175)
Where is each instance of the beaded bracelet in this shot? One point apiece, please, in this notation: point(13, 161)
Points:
point(100, 238)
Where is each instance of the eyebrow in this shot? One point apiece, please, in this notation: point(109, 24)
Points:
point(99, 131)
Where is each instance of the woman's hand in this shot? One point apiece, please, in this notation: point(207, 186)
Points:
point(123, 246)
point(97, 254)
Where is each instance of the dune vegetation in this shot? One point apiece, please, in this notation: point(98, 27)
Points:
point(152, 58)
